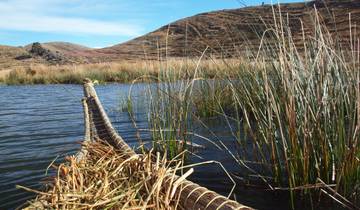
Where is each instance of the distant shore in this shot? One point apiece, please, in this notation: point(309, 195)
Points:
point(123, 72)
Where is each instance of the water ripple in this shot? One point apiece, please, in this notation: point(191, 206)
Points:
point(37, 124)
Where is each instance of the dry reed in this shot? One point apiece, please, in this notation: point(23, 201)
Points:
point(121, 71)
point(106, 178)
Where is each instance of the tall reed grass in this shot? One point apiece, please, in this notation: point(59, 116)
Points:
point(302, 111)
point(299, 106)
point(178, 91)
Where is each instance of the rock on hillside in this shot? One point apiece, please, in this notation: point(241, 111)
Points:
point(37, 49)
point(62, 52)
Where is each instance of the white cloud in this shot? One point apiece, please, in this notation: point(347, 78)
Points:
point(26, 15)
point(66, 25)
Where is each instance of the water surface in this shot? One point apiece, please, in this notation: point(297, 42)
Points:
point(39, 124)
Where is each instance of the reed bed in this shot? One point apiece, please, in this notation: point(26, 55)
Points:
point(117, 71)
point(301, 112)
point(106, 178)
point(74, 74)
point(174, 94)
point(292, 109)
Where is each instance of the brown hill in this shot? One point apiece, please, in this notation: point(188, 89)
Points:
point(44, 53)
point(235, 32)
point(12, 57)
point(226, 33)
point(65, 48)
point(59, 52)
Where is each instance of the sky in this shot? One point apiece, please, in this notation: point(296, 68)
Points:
point(98, 23)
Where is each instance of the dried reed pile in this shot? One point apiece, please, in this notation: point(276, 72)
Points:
point(109, 179)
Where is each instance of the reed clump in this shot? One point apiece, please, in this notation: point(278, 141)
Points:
point(169, 117)
point(301, 111)
point(297, 106)
point(180, 89)
point(106, 178)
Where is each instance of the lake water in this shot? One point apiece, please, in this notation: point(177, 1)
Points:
point(44, 122)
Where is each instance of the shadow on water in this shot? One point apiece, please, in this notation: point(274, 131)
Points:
point(44, 122)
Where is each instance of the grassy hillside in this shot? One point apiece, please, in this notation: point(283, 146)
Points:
point(237, 32)
point(13, 57)
point(227, 33)
point(64, 48)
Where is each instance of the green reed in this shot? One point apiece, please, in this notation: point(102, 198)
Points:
point(298, 106)
point(302, 113)
point(169, 105)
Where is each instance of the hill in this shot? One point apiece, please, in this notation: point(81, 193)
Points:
point(41, 53)
point(65, 48)
point(13, 57)
point(60, 52)
point(224, 33)
point(236, 32)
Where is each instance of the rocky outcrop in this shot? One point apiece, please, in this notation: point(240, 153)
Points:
point(52, 57)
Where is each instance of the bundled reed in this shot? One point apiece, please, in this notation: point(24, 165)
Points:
point(106, 178)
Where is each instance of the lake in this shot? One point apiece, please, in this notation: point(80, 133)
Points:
point(41, 123)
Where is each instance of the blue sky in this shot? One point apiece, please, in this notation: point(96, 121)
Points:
point(97, 23)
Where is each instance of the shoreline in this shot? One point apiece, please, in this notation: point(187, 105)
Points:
point(119, 72)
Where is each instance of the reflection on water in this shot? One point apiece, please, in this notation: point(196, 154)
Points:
point(44, 122)
point(38, 124)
